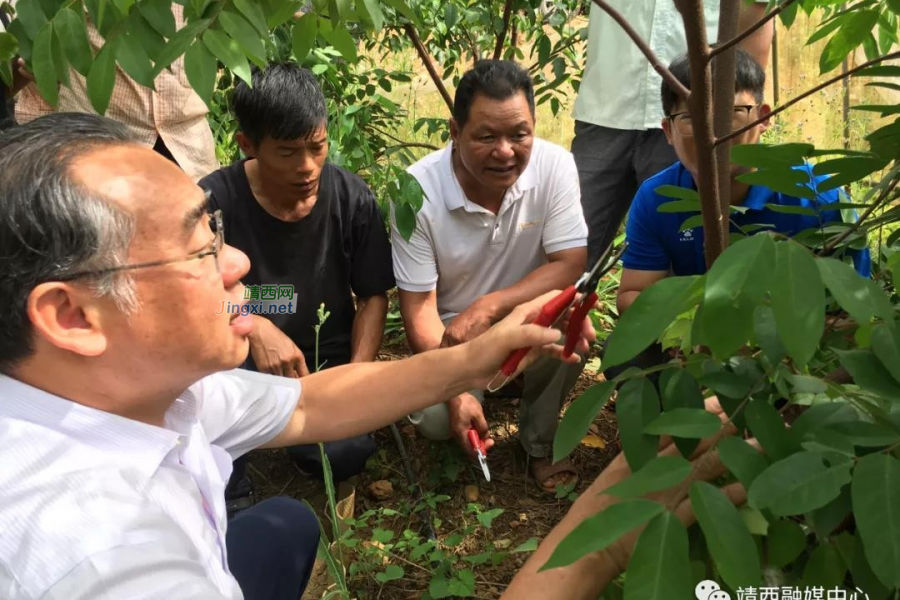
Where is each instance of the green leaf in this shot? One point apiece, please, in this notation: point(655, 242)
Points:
point(742, 459)
point(679, 206)
point(684, 422)
point(487, 518)
point(659, 568)
point(42, 65)
point(768, 155)
point(284, 10)
point(730, 544)
point(735, 284)
point(828, 440)
point(787, 180)
point(179, 44)
point(853, 32)
point(201, 68)
point(660, 473)
point(228, 51)
point(102, 78)
point(134, 60)
point(798, 301)
point(403, 8)
point(846, 170)
point(875, 490)
point(680, 390)
point(786, 542)
point(342, 41)
point(798, 484)
point(863, 576)
point(371, 10)
point(60, 61)
point(391, 573)
point(868, 373)
point(152, 42)
point(578, 418)
point(860, 297)
point(244, 34)
point(894, 5)
point(726, 383)
point(529, 545)
point(70, 28)
point(886, 346)
point(253, 13)
point(599, 531)
point(792, 210)
point(767, 334)
point(826, 519)
point(768, 427)
point(636, 405)
point(406, 220)
point(674, 191)
point(31, 16)
point(304, 38)
point(691, 223)
point(822, 415)
point(825, 568)
point(159, 15)
point(653, 310)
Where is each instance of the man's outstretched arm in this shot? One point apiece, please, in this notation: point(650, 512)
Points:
point(354, 399)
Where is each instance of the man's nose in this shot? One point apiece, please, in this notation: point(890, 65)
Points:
point(233, 264)
point(503, 149)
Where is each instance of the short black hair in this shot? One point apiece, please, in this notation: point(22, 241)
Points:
point(749, 76)
point(285, 103)
point(497, 79)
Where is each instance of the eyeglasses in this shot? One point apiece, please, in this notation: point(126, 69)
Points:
point(216, 225)
point(681, 121)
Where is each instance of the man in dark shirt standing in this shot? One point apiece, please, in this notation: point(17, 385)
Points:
point(310, 224)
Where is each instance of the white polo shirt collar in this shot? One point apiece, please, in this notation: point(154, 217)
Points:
point(144, 446)
point(455, 197)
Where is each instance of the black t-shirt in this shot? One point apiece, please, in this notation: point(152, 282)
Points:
point(342, 245)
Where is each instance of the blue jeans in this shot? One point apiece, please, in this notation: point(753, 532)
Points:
point(271, 549)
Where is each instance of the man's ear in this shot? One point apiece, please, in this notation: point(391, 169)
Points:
point(454, 131)
point(764, 110)
point(246, 146)
point(67, 317)
point(667, 129)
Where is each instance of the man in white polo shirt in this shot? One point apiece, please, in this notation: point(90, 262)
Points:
point(502, 224)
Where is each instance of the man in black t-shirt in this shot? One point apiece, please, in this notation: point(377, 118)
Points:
point(309, 224)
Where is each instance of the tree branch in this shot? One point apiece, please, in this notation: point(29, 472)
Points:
point(804, 95)
point(507, 14)
point(830, 246)
point(700, 105)
point(734, 41)
point(645, 49)
point(723, 98)
point(423, 55)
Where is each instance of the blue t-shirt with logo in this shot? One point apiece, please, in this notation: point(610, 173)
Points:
point(656, 244)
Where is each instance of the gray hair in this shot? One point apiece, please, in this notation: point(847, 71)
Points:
point(50, 225)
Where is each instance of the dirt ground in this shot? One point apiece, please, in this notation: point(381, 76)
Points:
point(528, 512)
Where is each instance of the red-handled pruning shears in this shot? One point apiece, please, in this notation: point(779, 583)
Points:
point(478, 445)
point(555, 308)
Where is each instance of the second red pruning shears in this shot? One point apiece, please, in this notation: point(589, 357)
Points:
point(555, 308)
point(478, 445)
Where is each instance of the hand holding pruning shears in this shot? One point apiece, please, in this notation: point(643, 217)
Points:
point(553, 310)
point(480, 451)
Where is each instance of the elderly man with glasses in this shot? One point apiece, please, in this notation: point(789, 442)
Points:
point(120, 408)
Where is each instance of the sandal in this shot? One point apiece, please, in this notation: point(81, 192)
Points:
point(546, 473)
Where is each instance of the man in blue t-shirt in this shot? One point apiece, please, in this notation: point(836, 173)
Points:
point(657, 247)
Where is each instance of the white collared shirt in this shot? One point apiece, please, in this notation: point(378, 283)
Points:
point(465, 251)
point(619, 88)
point(94, 506)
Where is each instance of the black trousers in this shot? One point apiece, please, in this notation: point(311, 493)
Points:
point(271, 549)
